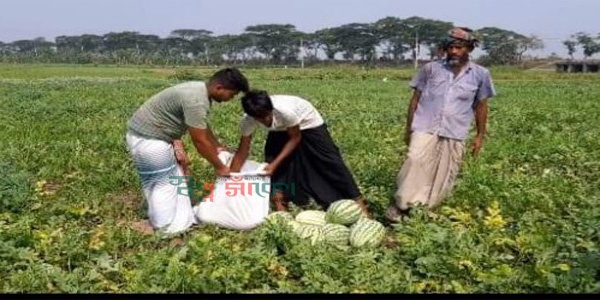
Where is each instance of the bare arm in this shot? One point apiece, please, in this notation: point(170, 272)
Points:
point(181, 156)
point(178, 144)
point(213, 138)
point(481, 112)
point(288, 149)
point(412, 107)
point(206, 148)
point(241, 154)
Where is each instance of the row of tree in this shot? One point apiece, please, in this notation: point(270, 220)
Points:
point(390, 39)
point(589, 45)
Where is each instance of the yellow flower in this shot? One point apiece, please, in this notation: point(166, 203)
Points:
point(504, 241)
point(110, 285)
point(43, 189)
point(466, 264)
point(277, 269)
point(39, 187)
point(494, 219)
point(418, 287)
point(43, 237)
point(448, 211)
point(194, 269)
point(503, 270)
point(427, 286)
point(96, 242)
point(564, 267)
point(458, 288)
point(129, 275)
point(79, 211)
point(461, 218)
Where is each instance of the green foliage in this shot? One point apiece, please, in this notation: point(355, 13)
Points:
point(523, 218)
point(15, 189)
point(185, 75)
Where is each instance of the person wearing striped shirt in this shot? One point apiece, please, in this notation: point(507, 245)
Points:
point(154, 134)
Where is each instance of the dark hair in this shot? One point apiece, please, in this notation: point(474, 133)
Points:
point(257, 104)
point(231, 79)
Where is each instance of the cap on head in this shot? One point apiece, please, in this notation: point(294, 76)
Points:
point(461, 35)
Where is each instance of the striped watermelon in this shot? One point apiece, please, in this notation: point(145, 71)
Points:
point(366, 233)
point(279, 217)
point(311, 217)
point(312, 232)
point(295, 225)
point(336, 234)
point(344, 212)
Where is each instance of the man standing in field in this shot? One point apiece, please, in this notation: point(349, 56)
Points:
point(154, 141)
point(447, 94)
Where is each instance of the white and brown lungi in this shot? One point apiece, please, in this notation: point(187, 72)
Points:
point(429, 171)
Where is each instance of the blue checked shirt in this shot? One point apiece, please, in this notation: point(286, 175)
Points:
point(447, 104)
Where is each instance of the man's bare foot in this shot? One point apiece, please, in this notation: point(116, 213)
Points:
point(395, 215)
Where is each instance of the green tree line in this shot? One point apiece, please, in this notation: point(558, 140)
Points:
point(389, 40)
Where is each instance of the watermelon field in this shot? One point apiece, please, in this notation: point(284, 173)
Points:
point(523, 218)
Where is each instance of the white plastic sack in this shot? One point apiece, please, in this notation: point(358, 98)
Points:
point(239, 202)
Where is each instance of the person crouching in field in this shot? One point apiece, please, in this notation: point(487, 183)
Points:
point(299, 151)
point(448, 94)
point(154, 142)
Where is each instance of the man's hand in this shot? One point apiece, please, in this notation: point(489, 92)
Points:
point(223, 171)
point(182, 158)
point(477, 144)
point(295, 136)
point(269, 170)
point(208, 150)
point(241, 154)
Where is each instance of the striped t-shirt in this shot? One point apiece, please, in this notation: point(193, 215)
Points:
point(168, 115)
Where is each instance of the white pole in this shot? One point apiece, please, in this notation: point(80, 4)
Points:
point(301, 53)
point(206, 53)
point(416, 49)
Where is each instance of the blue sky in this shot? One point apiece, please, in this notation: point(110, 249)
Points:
point(552, 21)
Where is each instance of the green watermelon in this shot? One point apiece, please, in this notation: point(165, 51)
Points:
point(279, 217)
point(343, 212)
point(366, 233)
point(311, 217)
point(295, 225)
point(336, 234)
point(312, 232)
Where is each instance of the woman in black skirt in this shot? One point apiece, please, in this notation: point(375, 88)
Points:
point(303, 159)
